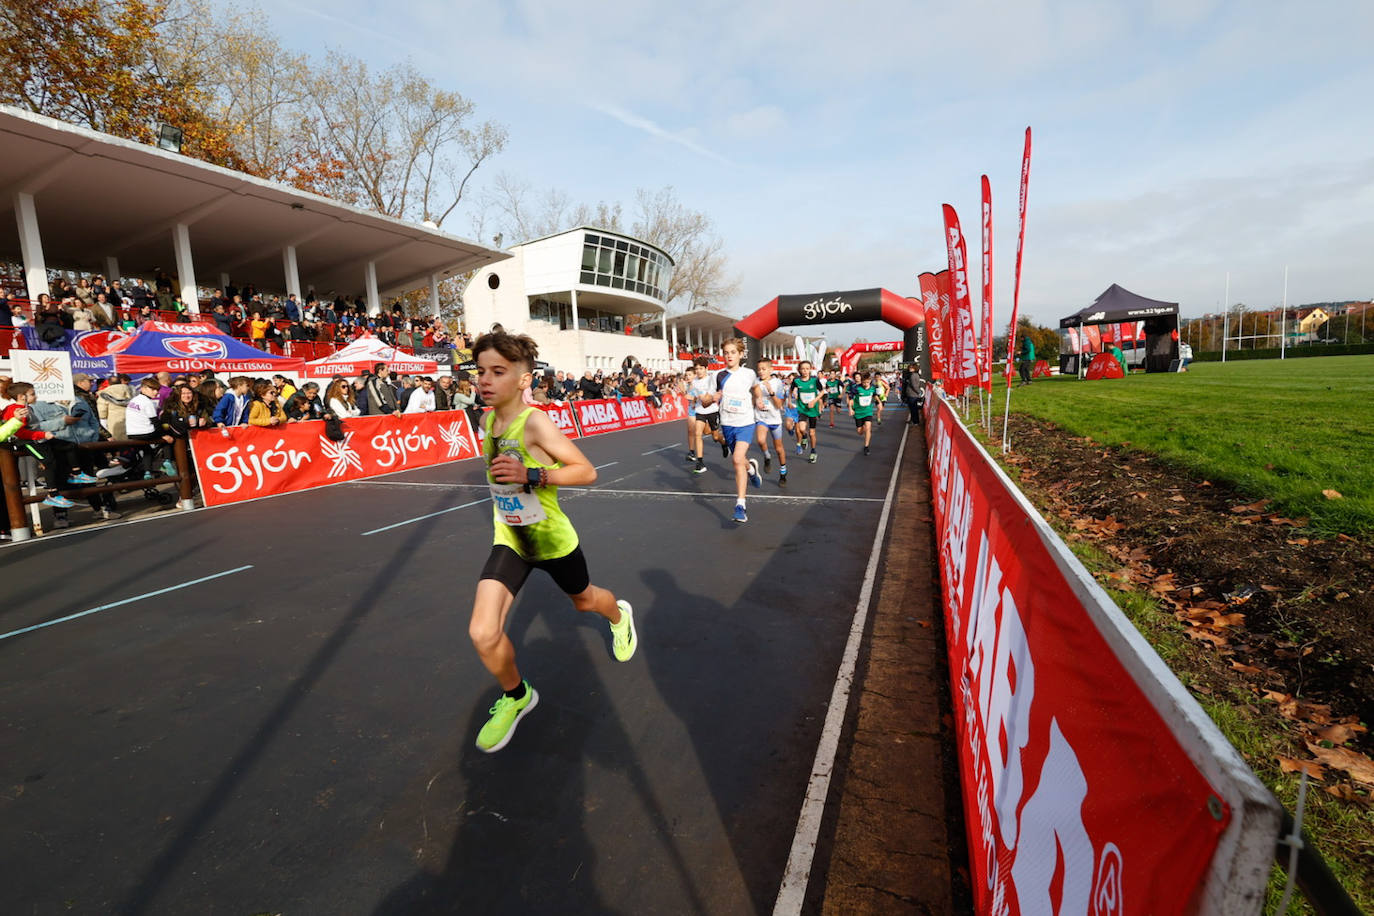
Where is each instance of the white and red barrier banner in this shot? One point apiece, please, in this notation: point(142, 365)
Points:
point(245, 462)
point(562, 416)
point(1079, 797)
point(674, 407)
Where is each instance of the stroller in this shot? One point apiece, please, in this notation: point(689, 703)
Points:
point(127, 465)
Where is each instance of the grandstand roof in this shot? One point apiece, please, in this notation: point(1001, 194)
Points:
point(98, 196)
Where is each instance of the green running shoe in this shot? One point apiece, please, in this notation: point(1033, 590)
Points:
point(624, 639)
point(505, 715)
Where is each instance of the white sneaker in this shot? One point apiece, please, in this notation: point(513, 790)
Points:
point(110, 515)
point(113, 471)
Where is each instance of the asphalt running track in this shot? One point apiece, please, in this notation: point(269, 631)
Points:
point(293, 732)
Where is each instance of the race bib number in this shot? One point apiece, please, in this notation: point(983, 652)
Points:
point(808, 397)
point(865, 400)
point(735, 404)
point(515, 506)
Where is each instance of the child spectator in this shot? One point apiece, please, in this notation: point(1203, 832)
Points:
point(232, 409)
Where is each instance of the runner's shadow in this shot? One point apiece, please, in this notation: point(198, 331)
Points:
point(724, 679)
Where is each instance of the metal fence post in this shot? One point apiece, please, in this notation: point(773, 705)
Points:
point(14, 497)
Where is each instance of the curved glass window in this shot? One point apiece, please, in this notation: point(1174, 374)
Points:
point(620, 264)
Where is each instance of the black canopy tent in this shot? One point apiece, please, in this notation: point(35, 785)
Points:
point(1118, 304)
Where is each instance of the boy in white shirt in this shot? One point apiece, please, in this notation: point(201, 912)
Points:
point(768, 417)
point(737, 391)
point(140, 420)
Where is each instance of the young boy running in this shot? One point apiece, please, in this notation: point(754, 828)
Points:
point(737, 391)
point(528, 458)
point(833, 394)
point(768, 417)
point(807, 391)
point(700, 393)
point(861, 407)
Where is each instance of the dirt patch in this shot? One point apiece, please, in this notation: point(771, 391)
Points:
point(1278, 610)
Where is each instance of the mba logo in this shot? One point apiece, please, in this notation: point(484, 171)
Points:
point(599, 413)
point(635, 410)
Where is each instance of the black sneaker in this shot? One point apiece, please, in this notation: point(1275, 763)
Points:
point(865, 450)
point(700, 468)
point(724, 450)
point(812, 459)
point(689, 457)
point(782, 476)
point(767, 463)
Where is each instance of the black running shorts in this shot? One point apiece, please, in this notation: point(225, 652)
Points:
point(506, 566)
point(712, 419)
point(860, 421)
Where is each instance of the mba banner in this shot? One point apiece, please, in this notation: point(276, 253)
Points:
point(1079, 797)
point(935, 325)
point(963, 366)
point(985, 357)
point(245, 462)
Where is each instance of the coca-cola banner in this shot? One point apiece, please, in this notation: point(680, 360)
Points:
point(245, 462)
point(1078, 795)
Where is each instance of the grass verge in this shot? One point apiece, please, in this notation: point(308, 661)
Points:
point(1289, 430)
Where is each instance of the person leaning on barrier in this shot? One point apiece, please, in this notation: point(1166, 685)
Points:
point(232, 408)
point(38, 435)
point(112, 402)
point(340, 400)
point(263, 409)
point(381, 397)
point(914, 393)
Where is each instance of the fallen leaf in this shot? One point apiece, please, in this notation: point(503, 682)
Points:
point(1253, 507)
point(1340, 734)
point(1344, 792)
point(1178, 499)
point(1341, 596)
point(1205, 483)
point(1314, 769)
point(1215, 639)
point(1300, 542)
point(1332, 494)
point(1294, 522)
point(1246, 669)
point(1360, 767)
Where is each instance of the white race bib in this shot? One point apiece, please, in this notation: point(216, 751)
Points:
point(515, 506)
point(865, 399)
point(807, 396)
point(736, 404)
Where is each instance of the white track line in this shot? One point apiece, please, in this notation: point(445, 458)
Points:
point(421, 518)
point(106, 607)
point(660, 449)
point(792, 892)
point(684, 494)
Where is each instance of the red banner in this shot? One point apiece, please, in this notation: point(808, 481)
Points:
point(985, 363)
point(930, 298)
point(674, 407)
point(562, 416)
point(963, 367)
point(942, 285)
point(245, 462)
point(1079, 797)
point(1020, 244)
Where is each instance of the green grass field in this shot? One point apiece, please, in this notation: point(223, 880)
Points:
point(1286, 430)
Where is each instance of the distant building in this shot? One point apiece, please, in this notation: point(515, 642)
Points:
point(589, 298)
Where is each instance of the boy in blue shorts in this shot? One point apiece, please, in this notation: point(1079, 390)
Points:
point(737, 391)
point(768, 417)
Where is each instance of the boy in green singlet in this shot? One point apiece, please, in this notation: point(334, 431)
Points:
point(861, 407)
point(833, 394)
point(806, 392)
point(528, 458)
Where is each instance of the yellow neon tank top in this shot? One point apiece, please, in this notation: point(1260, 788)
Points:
point(532, 524)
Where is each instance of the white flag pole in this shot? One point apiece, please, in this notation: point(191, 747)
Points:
point(1283, 319)
point(1226, 317)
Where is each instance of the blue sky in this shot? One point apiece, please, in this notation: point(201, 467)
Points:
point(1175, 140)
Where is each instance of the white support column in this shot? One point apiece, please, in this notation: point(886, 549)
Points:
point(292, 271)
point(31, 246)
point(223, 281)
point(674, 352)
point(663, 323)
point(434, 294)
point(575, 325)
point(186, 270)
point(111, 268)
point(374, 300)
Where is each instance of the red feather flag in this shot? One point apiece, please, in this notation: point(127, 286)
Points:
point(963, 369)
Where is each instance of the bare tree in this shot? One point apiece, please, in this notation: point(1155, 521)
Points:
point(700, 268)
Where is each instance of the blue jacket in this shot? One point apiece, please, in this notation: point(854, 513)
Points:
point(87, 428)
point(231, 406)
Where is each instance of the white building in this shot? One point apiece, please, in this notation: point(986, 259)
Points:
point(587, 296)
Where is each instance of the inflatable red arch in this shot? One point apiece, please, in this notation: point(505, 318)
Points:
point(907, 315)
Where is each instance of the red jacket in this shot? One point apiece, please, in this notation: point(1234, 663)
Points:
point(31, 435)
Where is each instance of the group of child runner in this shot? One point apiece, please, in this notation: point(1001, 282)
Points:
point(528, 458)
